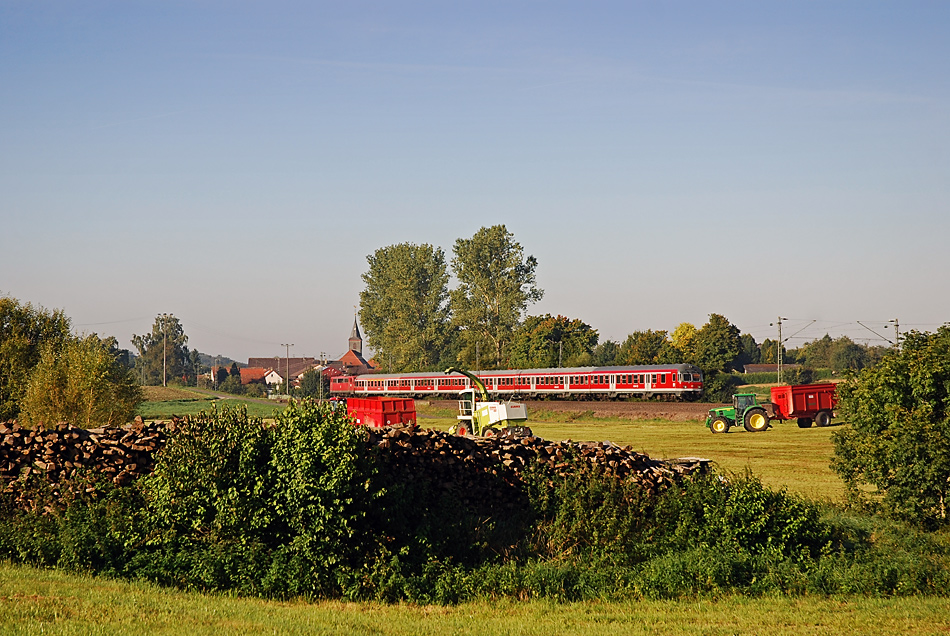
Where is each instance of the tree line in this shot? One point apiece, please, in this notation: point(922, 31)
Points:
point(415, 322)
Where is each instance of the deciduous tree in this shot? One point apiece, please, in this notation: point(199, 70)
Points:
point(496, 285)
point(163, 353)
point(81, 382)
point(647, 347)
point(899, 435)
point(717, 345)
point(404, 306)
point(548, 341)
point(24, 330)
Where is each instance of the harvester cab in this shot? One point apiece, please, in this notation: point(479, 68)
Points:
point(746, 410)
point(478, 415)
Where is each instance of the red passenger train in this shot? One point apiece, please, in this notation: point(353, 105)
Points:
point(672, 380)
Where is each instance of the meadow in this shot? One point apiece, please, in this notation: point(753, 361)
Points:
point(34, 601)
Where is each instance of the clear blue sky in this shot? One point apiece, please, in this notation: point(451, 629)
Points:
point(233, 163)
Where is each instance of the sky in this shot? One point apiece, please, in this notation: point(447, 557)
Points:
point(234, 163)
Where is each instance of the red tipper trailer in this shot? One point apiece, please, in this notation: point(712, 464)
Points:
point(806, 403)
point(381, 411)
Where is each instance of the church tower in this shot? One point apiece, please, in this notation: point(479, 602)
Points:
point(356, 341)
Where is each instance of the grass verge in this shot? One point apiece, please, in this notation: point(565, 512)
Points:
point(36, 601)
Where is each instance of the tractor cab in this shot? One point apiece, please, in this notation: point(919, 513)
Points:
point(742, 401)
point(466, 416)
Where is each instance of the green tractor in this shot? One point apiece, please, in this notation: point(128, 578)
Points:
point(478, 415)
point(745, 409)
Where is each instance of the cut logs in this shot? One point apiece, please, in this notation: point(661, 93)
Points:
point(60, 454)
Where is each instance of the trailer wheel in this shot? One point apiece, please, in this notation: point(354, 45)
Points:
point(756, 420)
point(823, 418)
point(804, 422)
point(719, 425)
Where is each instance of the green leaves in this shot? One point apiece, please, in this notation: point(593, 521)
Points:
point(899, 438)
point(404, 307)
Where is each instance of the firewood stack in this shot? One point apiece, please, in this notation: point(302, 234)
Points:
point(59, 453)
point(417, 450)
point(481, 471)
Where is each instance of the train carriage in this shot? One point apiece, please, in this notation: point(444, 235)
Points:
point(671, 380)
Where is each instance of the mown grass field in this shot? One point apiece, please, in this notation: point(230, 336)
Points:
point(783, 457)
point(49, 602)
point(165, 402)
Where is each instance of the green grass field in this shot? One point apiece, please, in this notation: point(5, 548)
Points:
point(783, 457)
point(48, 602)
point(162, 403)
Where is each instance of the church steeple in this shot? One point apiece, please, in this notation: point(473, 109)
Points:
point(356, 341)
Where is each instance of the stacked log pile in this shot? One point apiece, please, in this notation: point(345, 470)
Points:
point(59, 454)
point(414, 453)
point(482, 471)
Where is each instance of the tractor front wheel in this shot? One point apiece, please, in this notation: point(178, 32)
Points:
point(462, 430)
point(490, 431)
point(756, 420)
point(719, 425)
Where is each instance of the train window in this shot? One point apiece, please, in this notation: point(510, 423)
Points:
point(652, 378)
point(674, 376)
point(662, 378)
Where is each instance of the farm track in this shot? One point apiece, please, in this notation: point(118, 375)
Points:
point(672, 411)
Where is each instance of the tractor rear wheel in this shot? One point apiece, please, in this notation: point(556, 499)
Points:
point(462, 430)
point(719, 425)
point(823, 418)
point(489, 431)
point(756, 420)
point(804, 422)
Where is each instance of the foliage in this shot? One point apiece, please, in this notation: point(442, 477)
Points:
point(647, 347)
point(496, 285)
point(548, 341)
point(232, 384)
point(24, 331)
point(163, 353)
point(748, 352)
point(605, 354)
point(81, 382)
point(683, 340)
point(719, 386)
point(404, 306)
point(899, 438)
point(717, 345)
point(314, 385)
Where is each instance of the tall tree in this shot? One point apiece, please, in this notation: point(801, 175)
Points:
point(548, 341)
point(81, 382)
point(717, 344)
point(605, 353)
point(163, 353)
point(404, 306)
point(24, 331)
point(496, 285)
point(683, 339)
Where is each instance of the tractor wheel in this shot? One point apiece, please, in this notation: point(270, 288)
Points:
point(804, 422)
point(489, 431)
point(756, 420)
point(462, 430)
point(719, 425)
point(823, 418)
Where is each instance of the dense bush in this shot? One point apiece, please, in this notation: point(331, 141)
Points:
point(899, 438)
point(306, 507)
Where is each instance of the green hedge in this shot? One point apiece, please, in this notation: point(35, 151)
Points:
point(307, 508)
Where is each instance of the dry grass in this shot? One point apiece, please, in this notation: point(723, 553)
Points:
point(170, 393)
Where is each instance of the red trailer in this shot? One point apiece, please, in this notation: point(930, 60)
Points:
point(381, 411)
point(806, 403)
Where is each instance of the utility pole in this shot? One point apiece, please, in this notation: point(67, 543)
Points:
point(164, 339)
point(778, 346)
point(323, 365)
point(287, 380)
point(897, 333)
point(560, 350)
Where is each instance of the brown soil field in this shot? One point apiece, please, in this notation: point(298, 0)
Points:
point(672, 411)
